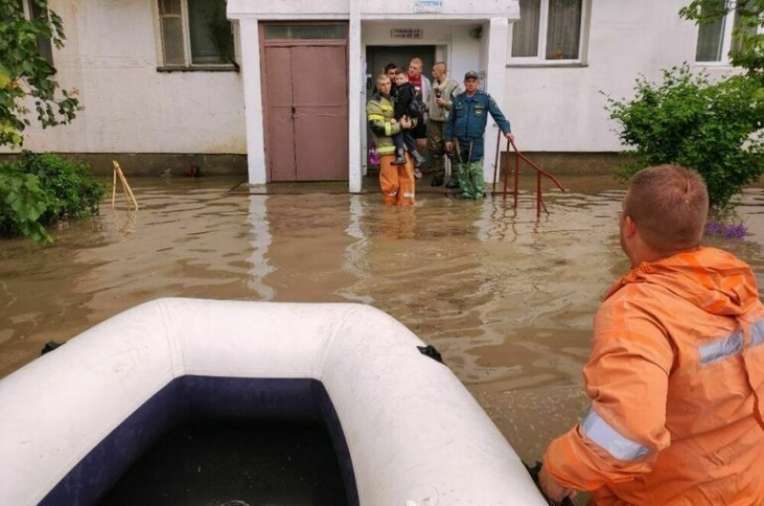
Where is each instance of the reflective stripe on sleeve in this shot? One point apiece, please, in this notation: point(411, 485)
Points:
point(609, 439)
point(757, 333)
point(731, 345)
point(376, 117)
point(721, 349)
point(388, 129)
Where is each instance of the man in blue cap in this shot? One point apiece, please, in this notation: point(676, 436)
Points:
point(466, 125)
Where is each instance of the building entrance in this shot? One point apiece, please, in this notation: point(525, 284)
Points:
point(379, 56)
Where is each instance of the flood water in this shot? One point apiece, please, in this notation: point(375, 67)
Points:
point(507, 300)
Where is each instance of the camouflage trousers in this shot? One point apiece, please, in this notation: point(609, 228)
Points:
point(470, 177)
point(436, 144)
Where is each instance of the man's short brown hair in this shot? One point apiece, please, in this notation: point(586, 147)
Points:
point(669, 205)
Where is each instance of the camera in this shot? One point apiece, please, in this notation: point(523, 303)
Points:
point(438, 94)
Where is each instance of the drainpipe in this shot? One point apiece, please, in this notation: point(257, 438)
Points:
point(355, 119)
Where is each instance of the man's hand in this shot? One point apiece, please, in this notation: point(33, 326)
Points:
point(449, 146)
point(405, 122)
point(440, 101)
point(509, 136)
point(552, 489)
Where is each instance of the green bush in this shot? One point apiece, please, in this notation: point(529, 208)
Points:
point(39, 189)
point(714, 128)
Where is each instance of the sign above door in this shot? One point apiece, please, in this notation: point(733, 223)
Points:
point(428, 6)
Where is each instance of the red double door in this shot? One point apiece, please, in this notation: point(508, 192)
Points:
point(306, 109)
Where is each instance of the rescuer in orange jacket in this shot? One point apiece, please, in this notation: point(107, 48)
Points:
point(396, 181)
point(676, 374)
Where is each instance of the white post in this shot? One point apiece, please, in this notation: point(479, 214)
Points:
point(355, 84)
point(496, 74)
point(253, 102)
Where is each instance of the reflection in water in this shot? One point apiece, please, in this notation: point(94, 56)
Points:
point(260, 241)
point(356, 252)
point(508, 300)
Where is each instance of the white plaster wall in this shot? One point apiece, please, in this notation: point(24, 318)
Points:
point(111, 55)
point(561, 109)
point(287, 8)
point(278, 9)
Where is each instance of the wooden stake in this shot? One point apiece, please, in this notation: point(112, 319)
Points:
point(125, 185)
point(114, 188)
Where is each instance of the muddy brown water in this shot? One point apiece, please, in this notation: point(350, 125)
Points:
point(508, 300)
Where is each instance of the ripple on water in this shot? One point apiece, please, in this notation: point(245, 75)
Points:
point(508, 300)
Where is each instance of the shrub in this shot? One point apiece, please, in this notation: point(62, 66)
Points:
point(39, 189)
point(714, 128)
point(26, 76)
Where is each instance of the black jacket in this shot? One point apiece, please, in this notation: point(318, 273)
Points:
point(404, 96)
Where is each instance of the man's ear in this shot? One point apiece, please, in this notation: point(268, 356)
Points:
point(629, 227)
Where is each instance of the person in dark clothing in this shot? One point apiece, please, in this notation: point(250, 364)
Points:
point(391, 69)
point(405, 96)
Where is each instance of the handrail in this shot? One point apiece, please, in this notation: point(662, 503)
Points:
point(539, 172)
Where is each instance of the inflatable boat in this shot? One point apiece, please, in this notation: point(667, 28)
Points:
point(405, 430)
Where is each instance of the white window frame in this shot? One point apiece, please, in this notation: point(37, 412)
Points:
point(540, 59)
point(188, 64)
point(728, 27)
point(28, 15)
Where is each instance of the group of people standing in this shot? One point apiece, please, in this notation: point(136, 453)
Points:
point(408, 115)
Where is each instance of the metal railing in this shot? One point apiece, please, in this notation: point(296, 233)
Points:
point(516, 175)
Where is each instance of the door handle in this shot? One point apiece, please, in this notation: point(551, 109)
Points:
point(294, 111)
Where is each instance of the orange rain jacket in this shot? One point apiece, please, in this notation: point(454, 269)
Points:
point(676, 380)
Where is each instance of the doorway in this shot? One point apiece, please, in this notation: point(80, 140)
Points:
point(379, 56)
point(305, 100)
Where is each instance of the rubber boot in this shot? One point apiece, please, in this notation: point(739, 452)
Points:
point(419, 160)
point(400, 157)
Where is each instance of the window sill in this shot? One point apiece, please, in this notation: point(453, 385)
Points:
point(198, 68)
point(548, 64)
point(713, 64)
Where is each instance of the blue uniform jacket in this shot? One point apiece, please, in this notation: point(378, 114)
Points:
point(468, 119)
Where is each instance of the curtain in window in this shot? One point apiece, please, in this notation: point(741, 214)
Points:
point(172, 32)
point(210, 32)
point(710, 39)
point(525, 33)
point(564, 29)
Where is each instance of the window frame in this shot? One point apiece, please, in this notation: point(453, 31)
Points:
point(188, 64)
point(728, 27)
point(25, 5)
point(540, 60)
point(724, 61)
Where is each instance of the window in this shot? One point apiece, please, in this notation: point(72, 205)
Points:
point(33, 11)
point(549, 31)
point(195, 33)
point(306, 31)
point(715, 38)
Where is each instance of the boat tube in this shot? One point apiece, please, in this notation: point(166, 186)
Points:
point(406, 432)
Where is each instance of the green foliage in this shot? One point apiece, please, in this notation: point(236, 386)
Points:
point(714, 128)
point(25, 75)
point(748, 44)
point(38, 190)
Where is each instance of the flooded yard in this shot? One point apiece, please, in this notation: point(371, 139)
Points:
point(508, 300)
